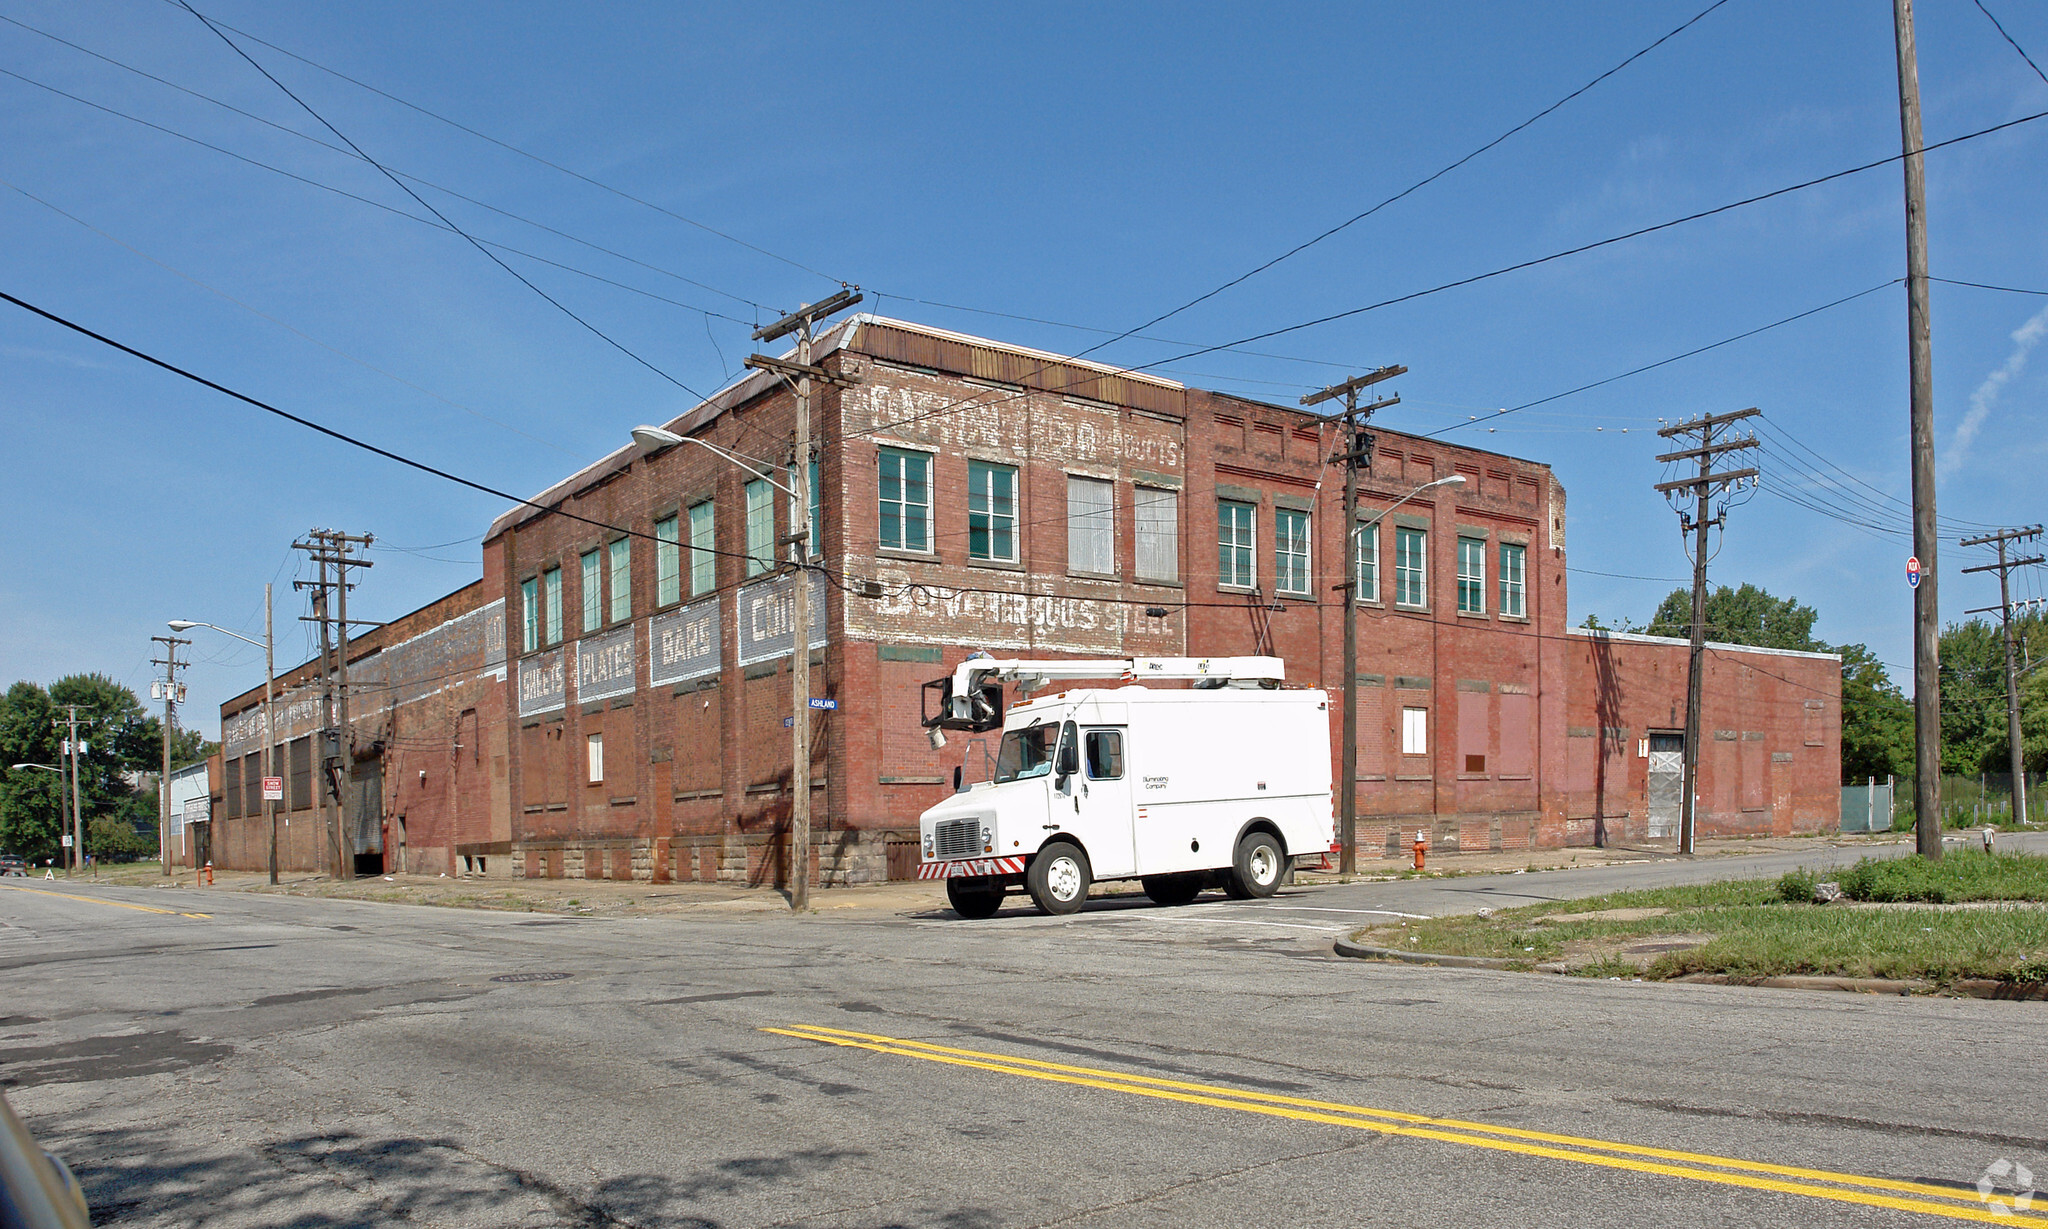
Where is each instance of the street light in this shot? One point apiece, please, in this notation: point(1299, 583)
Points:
point(268, 645)
point(654, 439)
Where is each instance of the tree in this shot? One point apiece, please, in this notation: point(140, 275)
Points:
point(1748, 615)
point(1877, 719)
point(1973, 733)
point(31, 801)
point(116, 840)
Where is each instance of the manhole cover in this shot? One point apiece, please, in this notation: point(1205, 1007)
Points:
point(530, 977)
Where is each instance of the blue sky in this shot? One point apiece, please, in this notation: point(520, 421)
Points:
point(1073, 165)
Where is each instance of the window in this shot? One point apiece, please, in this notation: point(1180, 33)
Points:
point(1411, 566)
point(1156, 514)
point(668, 562)
point(760, 527)
point(529, 614)
point(1513, 579)
point(622, 579)
point(1026, 753)
point(593, 592)
point(1091, 525)
point(1290, 551)
point(991, 511)
point(1365, 563)
point(816, 541)
point(1471, 576)
point(1234, 544)
point(703, 545)
point(551, 603)
point(1105, 754)
point(1414, 731)
point(906, 500)
point(594, 752)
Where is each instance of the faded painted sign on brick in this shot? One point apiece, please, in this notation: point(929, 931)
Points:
point(767, 618)
point(683, 644)
point(543, 684)
point(604, 665)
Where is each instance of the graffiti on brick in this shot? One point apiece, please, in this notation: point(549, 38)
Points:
point(543, 683)
point(683, 644)
point(767, 618)
point(604, 664)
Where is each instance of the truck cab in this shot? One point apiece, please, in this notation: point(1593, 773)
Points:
point(1181, 788)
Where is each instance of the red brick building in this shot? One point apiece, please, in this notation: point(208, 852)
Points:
point(619, 710)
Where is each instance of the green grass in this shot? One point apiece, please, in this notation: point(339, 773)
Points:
point(1758, 933)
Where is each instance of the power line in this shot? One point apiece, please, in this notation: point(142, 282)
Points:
point(2009, 38)
point(1987, 286)
point(1498, 272)
point(1419, 184)
point(490, 255)
point(511, 148)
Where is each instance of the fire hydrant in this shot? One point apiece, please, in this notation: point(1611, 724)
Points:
point(207, 872)
point(1421, 849)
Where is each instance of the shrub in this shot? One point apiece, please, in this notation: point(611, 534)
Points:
point(1796, 888)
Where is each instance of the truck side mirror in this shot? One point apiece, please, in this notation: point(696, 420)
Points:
point(1069, 760)
point(958, 774)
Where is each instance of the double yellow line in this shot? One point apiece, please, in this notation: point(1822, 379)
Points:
point(1953, 1203)
point(97, 900)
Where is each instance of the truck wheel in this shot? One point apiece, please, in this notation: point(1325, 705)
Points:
point(1058, 878)
point(1258, 867)
point(1172, 889)
point(974, 899)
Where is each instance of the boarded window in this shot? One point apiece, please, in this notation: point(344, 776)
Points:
point(698, 761)
point(1372, 731)
point(1756, 774)
point(231, 789)
point(1157, 515)
point(1414, 731)
point(1091, 525)
point(1582, 774)
point(1472, 730)
point(300, 795)
point(252, 783)
point(1517, 735)
point(1816, 712)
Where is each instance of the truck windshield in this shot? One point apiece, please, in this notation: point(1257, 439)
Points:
point(1027, 753)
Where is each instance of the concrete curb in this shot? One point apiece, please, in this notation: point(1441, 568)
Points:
point(1346, 947)
point(1970, 987)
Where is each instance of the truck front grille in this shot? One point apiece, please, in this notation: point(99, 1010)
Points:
point(957, 838)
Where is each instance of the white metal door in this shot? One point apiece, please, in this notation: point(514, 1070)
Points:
point(1667, 779)
point(1099, 800)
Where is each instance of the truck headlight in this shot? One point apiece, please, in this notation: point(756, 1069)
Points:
point(988, 841)
point(928, 845)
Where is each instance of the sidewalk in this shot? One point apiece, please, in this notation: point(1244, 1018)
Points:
point(613, 898)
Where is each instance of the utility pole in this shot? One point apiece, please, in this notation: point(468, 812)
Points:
point(1920, 361)
point(71, 749)
point(802, 373)
point(1356, 456)
point(169, 661)
point(1701, 490)
point(331, 548)
point(2005, 609)
point(270, 724)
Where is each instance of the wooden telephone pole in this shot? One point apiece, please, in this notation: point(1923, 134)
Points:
point(1701, 490)
point(330, 548)
point(802, 374)
point(1920, 362)
point(1355, 456)
point(169, 661)
point(2004, 609)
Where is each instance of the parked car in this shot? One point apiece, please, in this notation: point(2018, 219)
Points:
point(11, 864)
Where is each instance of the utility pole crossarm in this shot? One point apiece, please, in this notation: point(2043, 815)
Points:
point(1709, 451)
point(1707, 423)
point(2002, 567)
point(1706, 480)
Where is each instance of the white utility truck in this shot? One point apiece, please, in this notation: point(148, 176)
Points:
point(1224, 784)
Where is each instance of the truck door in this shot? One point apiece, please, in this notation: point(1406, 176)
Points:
point(1103, 790)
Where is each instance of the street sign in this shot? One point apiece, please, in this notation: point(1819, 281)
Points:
point(787, 722)
point(67, 840)
point(273, 789)
point(827, 705)
point(1913, 572)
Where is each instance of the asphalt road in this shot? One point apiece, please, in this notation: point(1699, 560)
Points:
point(233, 1059)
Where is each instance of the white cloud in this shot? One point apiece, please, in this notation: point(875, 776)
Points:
point(2024, 339)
